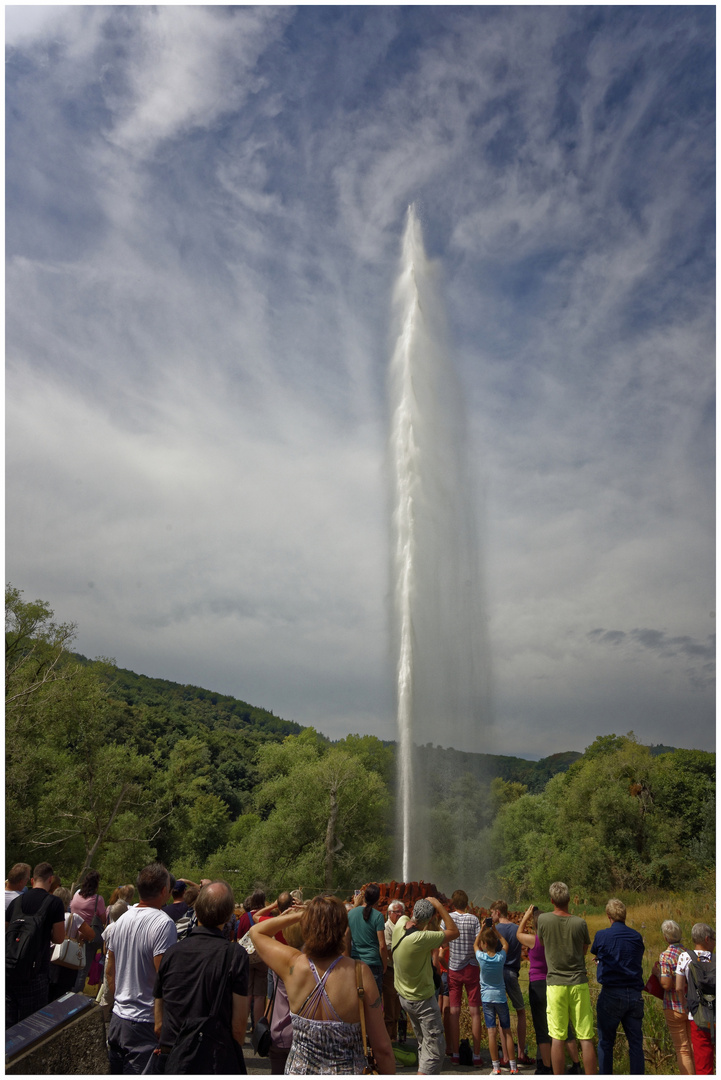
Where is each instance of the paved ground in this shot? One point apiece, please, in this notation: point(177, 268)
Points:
point(257, 1066)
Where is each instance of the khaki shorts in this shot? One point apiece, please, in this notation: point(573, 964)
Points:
point(574, 1002)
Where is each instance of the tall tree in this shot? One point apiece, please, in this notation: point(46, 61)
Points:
point(72, 790)
point(322, 818)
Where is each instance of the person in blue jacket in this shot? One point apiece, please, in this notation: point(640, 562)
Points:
point(619, 955)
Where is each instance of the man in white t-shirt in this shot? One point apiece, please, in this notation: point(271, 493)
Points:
point(17, 881)
point(704, 940)
point(139, 941)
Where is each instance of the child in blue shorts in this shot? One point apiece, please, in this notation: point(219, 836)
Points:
point(491, 949)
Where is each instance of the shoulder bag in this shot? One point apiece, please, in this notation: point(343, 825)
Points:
point(247, 942)
point(69, 953)
point(260, 1036)
point(371, 1066)
point(653, 986)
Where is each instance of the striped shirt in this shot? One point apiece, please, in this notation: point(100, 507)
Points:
point(460, 950)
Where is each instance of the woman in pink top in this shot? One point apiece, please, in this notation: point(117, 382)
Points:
point(83, 903)
point(537, 992)
point(89, 904)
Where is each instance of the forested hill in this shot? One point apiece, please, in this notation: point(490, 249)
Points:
point(111, 769)
point(160, 712)
point(161, 709)
point(483, 767)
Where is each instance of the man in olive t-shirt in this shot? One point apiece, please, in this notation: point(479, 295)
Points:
point(566, 940)
point(412, 946)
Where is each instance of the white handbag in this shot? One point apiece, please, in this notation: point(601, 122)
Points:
point(69, 953)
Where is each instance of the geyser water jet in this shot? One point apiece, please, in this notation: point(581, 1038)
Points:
point(437, 622)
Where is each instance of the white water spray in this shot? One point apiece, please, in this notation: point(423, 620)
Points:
point(436, 616)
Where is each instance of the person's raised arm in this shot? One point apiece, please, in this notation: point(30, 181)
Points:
point(525, 936)
point(271, 907)
point(451, 930)
point(274, 953)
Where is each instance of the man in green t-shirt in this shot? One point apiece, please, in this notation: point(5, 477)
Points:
point(412, 945)
point(566, 940)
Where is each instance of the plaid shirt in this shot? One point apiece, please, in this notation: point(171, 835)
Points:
point(668, 962)
point(461, 948)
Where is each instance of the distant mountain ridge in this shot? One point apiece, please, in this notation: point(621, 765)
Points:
point(186, 706)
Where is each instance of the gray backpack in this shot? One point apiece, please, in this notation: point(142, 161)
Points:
point(701, 993)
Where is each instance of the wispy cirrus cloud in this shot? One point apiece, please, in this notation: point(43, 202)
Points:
point(204, 208)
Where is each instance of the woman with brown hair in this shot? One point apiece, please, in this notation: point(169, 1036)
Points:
point(323, 992)
point(366, 934)
point(89, 904)
point(123, 892)
point(62, 979)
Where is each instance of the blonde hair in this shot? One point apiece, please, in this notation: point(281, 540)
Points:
point(616, 910)
point(294, 935)
point(64, 895)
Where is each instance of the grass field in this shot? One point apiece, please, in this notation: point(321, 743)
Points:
point(644, 914)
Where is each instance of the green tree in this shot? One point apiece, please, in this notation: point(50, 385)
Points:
point(70, 785)
point(619, 818)
point(322, 817)
point(35, 648)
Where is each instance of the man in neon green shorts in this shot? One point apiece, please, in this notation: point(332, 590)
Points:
point(566, 940)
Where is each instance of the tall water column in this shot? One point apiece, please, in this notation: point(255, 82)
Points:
point(437, 619)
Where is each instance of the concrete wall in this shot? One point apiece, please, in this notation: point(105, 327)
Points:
point(79, 1047)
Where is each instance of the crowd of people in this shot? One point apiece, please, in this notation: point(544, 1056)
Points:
point(328, 986)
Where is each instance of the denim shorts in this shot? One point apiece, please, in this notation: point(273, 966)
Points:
point(491, 1008)
point(513, 990)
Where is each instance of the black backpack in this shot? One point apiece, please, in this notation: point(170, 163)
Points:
point(701, 992)
point(24, 940)
point(186, 924)
point(465, 1054)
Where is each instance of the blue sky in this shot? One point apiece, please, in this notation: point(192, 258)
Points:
point(203, 224)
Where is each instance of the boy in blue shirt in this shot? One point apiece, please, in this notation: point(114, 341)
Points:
point(491, 951)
